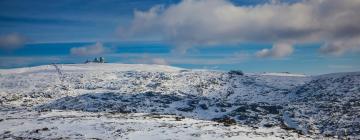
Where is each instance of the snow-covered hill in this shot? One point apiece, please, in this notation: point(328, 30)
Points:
point(279, 105)
point(328, 104)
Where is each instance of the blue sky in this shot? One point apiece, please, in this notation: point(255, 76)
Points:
point(182, 33)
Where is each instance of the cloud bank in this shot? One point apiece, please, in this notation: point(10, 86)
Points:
point(335, 23)
point(12, 41)
point(91, 50)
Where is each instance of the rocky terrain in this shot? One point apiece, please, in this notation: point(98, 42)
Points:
point(112, 101)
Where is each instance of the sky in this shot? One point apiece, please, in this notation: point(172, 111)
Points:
point(300, 36)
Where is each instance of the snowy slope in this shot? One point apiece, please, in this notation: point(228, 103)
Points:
point(257, 101)
point(329, 104)
point(93, 67)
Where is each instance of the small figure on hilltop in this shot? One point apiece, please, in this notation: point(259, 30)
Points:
point(96, 60)
point(101, 60)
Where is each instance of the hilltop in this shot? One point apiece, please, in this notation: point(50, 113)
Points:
point(211, 104)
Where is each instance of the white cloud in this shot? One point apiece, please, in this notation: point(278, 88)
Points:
point(94, 49)
point(147, 59)
point(339, 47)
point(236, 58)
point(159, 61)
point(12, 41)
point(278, 50)
point(204, 22)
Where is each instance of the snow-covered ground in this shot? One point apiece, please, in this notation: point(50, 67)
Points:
point(84, 125)
point(127, 101)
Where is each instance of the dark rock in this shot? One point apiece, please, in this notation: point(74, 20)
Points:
point(235, 72)
point(272, 109)
point(223, 110)
point(203, 106)
point(223, 104)
point(177, 118)
point(227, 121)
point(268, 125)
point(186, 109)
point(45, 129)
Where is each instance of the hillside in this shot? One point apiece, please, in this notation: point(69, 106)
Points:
point(212, 104)
point(328, 104)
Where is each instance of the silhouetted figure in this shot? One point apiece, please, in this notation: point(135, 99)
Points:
point(102, 60)
point(96, 60)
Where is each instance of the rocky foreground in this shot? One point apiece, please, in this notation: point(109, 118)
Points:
point(120, 101)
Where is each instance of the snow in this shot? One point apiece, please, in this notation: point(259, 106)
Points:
point(94, 67)
point(122, 101)
point(284, 74)
point(74, 125)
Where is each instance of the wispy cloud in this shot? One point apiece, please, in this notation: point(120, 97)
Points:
point(206, 22)
point(339, 47)
point(12, 41)
point(149, 59)
point(91, 50)
point(234, 58)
